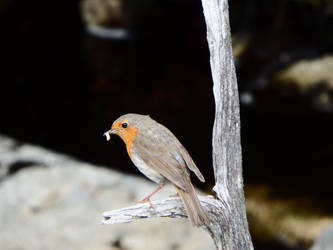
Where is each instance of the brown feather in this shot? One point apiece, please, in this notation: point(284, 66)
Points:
point(195, 212)
point(166, 166)
point(190, 163)
point(160, 140)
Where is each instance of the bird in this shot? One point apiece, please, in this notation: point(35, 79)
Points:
point(160, 156)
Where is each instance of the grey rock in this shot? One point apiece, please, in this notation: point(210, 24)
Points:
point(306, 74)
point(57, 204)
point(324, 241)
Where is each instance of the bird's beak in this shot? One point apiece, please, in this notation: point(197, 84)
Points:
point(108, 134)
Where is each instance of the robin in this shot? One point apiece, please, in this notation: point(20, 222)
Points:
point(158, 154)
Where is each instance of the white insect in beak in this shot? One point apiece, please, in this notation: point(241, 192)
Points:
point(107, 135)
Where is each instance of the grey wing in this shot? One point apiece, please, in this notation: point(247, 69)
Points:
point(165, 163)
point(189, 162)
point(183, 152)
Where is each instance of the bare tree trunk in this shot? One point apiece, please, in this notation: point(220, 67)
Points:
point(229, 227)
point(227, 152)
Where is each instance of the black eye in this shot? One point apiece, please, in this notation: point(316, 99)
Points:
point(124, 125)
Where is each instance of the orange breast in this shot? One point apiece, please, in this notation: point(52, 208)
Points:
point(128, 137)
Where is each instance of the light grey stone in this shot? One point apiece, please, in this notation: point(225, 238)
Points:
point(57, 204)
point(325, 240)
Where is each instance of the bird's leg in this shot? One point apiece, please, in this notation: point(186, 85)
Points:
point(147, 199)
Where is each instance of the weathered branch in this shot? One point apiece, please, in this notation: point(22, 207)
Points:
point(163, 208)
point(171, 207)
point(227, 152)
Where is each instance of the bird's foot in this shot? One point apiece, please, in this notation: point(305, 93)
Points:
point(146, 200)
point(174, 195)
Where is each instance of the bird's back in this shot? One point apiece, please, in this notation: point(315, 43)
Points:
point(155, 141)
point(155, 137)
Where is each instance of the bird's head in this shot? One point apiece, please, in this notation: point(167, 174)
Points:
point(126, 127)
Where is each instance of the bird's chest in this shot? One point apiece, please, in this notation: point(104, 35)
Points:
point(147, 170)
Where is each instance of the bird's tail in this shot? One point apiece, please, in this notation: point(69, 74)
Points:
point(194, 210)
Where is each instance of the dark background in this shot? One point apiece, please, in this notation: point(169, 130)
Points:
point(62, 88)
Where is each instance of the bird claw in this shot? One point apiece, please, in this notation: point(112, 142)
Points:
point(146, 200)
